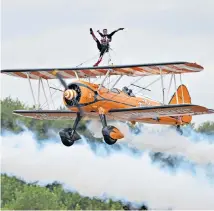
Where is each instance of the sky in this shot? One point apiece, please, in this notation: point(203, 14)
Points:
point(55, 33)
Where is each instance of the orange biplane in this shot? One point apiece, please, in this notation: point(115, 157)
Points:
point(85, 99)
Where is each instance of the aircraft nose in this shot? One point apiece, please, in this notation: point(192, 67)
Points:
point(70, 94)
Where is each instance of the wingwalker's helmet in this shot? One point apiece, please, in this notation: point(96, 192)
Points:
point(105, 31)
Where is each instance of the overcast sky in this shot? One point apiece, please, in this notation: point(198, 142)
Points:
point(55, 33)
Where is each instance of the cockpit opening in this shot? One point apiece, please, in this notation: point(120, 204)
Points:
point(128, 91)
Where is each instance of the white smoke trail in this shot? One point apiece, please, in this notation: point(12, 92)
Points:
point(166, 140)
point(120, 175)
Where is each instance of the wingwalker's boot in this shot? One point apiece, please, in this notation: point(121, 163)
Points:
point(97, 63)
point(110, 133)
point(92, 34)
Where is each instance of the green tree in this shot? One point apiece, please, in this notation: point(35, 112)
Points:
point(9, 186)
point(35, 198)
point(206, 127)
point(18, 195)
point(7, 117)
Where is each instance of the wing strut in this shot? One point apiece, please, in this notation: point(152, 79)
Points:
point(182, 90)
point(170, 83)
point(116, 81)
point(175, 88)
point(162, 86)
point(34, 99)
point(45, 93)
point(75, 72)
point(107, 74)
point(50, 94)
point(39, 82)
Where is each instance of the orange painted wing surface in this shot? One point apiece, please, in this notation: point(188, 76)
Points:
point(54, 114)
point(47, 114)
point(137, 114)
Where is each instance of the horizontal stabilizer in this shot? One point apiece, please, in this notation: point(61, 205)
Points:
point(134, 114)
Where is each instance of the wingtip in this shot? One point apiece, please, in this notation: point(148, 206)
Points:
point(211, 111)
point(17, 112)
point(195, 65)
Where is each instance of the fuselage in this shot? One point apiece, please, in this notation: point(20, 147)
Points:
point(91, 98)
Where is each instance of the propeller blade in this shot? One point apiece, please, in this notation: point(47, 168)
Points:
point(62, 80)
point(56, 73)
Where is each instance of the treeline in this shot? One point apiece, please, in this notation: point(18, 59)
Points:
point(19, 195)
point(16, 194)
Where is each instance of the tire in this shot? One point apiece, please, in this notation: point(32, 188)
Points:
point(68, 136)
point(67, 142)
point(109, 140)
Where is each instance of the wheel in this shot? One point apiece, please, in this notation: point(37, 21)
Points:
point(108, 131)
point(67, 142)
point(68, 136)
point(109, 140)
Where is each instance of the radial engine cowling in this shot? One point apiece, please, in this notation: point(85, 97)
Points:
point(78, 93)
point(72, 95)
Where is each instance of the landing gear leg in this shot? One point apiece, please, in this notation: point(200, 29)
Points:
point(69, 135)
point(110, 133)
point(179, 130)
point(103, 120)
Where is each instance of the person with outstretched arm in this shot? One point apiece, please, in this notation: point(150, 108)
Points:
point(103, 44)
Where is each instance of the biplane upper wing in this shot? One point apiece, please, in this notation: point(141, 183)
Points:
point(140, 113)
point(130, 70)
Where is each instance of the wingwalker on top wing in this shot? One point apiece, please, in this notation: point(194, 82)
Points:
point(94, 101)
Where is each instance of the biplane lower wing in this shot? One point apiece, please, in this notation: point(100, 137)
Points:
point(129, 114)
point(51, 114)
point(140, 113)
point(47, 114)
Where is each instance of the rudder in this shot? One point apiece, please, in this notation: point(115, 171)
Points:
point(183, 98)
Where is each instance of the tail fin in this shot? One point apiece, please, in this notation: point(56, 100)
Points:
point(183, 98)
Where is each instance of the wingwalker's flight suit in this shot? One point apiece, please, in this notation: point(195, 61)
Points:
point(103, 44)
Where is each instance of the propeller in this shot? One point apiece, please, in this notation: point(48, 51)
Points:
point(55, 72)
point(68, 94)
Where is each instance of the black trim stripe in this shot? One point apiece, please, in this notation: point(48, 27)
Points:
point(148, 108)
point(92, 68)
